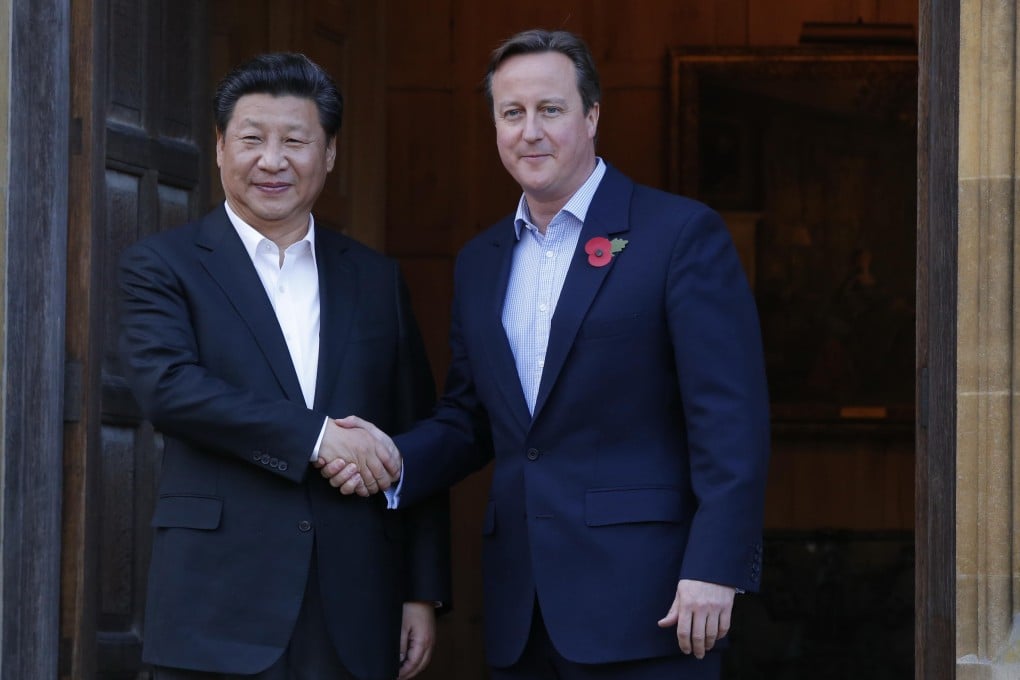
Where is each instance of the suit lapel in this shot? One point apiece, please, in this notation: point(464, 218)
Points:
point(492, 289)
point(224, 257)
point(337, 299)
point(608, 215)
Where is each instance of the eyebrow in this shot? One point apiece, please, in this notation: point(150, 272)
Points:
point(545, 100)
point(253, 122)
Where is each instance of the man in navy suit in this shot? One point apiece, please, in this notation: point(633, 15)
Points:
point(606, 354)
point(243, 335)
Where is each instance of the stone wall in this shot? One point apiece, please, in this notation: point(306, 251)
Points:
point(988, 547)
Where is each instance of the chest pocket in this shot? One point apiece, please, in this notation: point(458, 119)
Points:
point(631, 324)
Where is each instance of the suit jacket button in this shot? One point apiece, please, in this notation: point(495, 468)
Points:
point(256, 455)
point(274, 462)
point(304, 525)
point(265, 459)
point(283, 465)
point(532, 454)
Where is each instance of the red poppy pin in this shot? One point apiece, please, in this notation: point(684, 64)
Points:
point(601, 250)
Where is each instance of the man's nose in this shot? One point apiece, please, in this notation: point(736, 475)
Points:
point(273, 157)
point(533, 127)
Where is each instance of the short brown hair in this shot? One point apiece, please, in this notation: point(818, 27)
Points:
point(538, 40)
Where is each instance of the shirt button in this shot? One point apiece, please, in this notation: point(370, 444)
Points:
point(541, 363)
point(304, 525)
point(543, 307)
point(549, 253)
point(532, 454)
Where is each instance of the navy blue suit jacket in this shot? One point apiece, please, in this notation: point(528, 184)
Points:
point(239, 508)
point(645, 459)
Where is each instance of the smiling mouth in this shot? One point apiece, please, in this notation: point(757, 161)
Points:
point(272, 187)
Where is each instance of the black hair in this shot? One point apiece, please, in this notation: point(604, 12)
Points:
point(280, 74)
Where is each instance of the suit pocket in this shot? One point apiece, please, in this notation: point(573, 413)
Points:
point(632, 324)
point(605, 328)
point(188, 512)
point(603, 507)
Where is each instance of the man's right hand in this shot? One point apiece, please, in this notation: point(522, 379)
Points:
point(357, 457)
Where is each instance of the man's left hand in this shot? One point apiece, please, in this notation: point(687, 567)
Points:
point(701, 613)
point(417, 637)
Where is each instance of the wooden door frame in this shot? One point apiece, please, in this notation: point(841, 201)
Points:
point(937, 208)
point(86, 210)
point(34, 253)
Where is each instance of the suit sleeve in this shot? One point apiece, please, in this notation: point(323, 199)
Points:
point(715, 334)
point(182, 397)
point(428, 523)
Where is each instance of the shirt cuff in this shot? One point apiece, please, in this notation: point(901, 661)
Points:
point(318, 442)
point(393, 494)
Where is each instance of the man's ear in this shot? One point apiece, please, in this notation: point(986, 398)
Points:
point(330, 153)
point(593, 120)
point(219, 149)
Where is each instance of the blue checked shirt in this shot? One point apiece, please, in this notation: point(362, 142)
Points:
point(539, 267)
point(540, 263)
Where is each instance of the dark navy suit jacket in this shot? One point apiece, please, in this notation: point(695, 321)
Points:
point(239, 508)
point(645, 459)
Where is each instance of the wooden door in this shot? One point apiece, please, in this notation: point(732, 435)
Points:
point(345, 38)
point(143, 72)
point(140, 128)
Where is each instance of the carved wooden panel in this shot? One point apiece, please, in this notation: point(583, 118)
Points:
point(126, 66)
point(156, 127)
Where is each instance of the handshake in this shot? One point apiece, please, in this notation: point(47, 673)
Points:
point(357, 457)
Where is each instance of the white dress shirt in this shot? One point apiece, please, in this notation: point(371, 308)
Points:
point(291, 283)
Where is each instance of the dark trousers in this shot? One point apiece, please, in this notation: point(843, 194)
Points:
point(310, 655)
point(541, 661)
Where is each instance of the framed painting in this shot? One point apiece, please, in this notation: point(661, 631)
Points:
point(810, 155)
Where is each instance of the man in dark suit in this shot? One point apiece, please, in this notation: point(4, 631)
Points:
point(243, 334)
point(606, 354)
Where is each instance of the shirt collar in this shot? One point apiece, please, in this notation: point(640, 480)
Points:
point(577, 205)
point(251, 237)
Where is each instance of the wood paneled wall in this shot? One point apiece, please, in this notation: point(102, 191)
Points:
point(344, 37)
point(444, 181)
point(444, 184)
